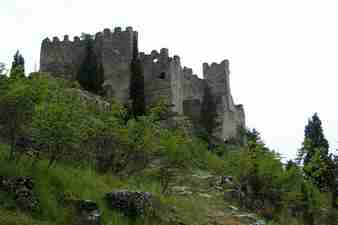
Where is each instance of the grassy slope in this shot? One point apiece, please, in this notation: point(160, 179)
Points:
point(202, 206)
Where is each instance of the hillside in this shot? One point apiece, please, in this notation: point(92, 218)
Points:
point(72, 157)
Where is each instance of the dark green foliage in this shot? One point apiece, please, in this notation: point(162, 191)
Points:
point(208, 112)
point(314, 154)
point(254, 138)
point(308, 198)
point(314, 134)
point(18, 66)
point(3, 77)
point(16, 110)
point(136, 87)
point(334, 187)
point(142, 154)
point(91, 73)
point(290, 165)
point(2, 69)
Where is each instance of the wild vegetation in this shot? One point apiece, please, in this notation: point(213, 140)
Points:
point(74, 149)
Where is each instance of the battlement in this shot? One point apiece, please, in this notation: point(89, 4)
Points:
point(161, 57)
point(105, 34)
point(223, 66)
point(187, 71)
point(163, 74)
point(64, 56)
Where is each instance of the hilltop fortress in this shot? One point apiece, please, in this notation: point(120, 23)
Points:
point(164, 76)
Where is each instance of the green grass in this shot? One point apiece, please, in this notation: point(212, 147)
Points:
point(52, 184)
point(16, 218)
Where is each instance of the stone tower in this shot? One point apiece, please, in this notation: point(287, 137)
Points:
point(113, 49)
point(164, 76)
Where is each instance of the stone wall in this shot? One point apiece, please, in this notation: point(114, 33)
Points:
point(113, 49)
point(230, 116)
point(164, 76)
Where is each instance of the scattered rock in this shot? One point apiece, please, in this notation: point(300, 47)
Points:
point(22, 190)
point(90, 99)
point(204, 177)
point(205, 195)
point(233, 208)
point(181, 190)
point(219, 183)
point(230, 194)
point(88, 212)
point(131, 203)
point(259, 222)
point(247, 218)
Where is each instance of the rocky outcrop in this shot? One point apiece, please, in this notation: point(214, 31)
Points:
point(90, 99)
point(88, 212)
point(21, 188)
point(131, 203)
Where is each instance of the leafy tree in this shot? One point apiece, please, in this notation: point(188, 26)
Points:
point(3, 77)
point(254, 139)
point(16, 109)
point(18, 66)
point(311, 202)
point(2, 68)
point(290, 165)
point(91, 73)
point(58, 125)
point(107, 139)
point(137, 85)
point(335, 182)
point(314, 154)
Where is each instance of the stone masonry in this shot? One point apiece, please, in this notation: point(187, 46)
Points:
point(164, 76)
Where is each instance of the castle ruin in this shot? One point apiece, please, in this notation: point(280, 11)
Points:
point(164, 76)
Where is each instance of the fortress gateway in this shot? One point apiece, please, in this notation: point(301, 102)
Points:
point(163, 75)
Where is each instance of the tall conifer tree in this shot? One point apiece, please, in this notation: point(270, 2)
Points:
point(315, 154)
point(90, 74)
point(18, 66)
point(136, 87)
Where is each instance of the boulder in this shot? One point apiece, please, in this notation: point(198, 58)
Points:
point(131, 203)
point(88, 212)
point(88, 98)
point(221, 182)
point(231, 194)
point(259, 222)
point(22, 190)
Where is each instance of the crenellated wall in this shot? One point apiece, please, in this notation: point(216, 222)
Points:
point(113, 49)
point(164, 76)
point(231, 116)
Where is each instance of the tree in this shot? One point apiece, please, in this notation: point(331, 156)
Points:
point(310, 198)
point(2, 68)
point(335, 182)
point(208, 112)
point(91, 73)
point(315, 154)
point(137, 85)
point(18, 66)
point(290, 164)
point(58, 124)
point(3, 77)
point(16, 109)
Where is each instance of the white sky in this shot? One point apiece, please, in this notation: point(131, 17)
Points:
point(283, 53)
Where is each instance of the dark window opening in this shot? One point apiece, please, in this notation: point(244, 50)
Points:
point(162, 75)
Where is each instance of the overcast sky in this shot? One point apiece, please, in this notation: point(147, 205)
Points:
point(283, 53)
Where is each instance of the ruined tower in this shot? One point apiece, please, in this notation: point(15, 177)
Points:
point(113, 49)
point(164, 76)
